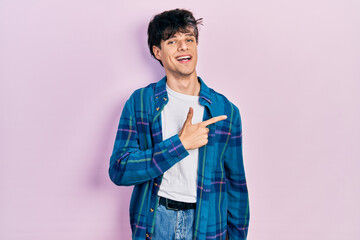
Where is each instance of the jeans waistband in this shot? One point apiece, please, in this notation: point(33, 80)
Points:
point(175, 205)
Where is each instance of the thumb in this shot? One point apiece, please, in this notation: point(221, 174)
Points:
point(189, 116)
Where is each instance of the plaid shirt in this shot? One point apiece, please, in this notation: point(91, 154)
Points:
point(141, 156)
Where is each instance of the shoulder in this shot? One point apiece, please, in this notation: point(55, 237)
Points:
point(143, 92)
point(222, 105)
point(141, 99)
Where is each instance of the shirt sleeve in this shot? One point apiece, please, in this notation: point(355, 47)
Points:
point(238, 202)
point(129, 165)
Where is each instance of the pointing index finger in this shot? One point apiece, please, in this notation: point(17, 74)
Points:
point(214, 120)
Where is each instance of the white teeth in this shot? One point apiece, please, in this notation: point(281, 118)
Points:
point(183, 57)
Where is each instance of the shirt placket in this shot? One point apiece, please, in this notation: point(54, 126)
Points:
point(160, 102)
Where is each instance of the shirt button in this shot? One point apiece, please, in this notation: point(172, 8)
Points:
point(165, 99)
point(151, 210)
point(147, 235)
point(155, 184)
point(157, 109)
point(156, 97)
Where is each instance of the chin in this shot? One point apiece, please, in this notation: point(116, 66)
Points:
point(186, 73)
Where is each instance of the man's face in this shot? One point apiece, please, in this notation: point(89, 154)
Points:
point(178, 54)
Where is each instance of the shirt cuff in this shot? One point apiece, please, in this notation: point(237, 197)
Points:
point(175, 148)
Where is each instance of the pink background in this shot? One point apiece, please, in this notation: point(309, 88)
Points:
point(66, 68)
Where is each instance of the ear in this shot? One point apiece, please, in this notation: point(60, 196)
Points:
point(157, 52)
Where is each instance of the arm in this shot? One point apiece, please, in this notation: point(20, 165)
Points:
point(129, 165)
point(238, 201)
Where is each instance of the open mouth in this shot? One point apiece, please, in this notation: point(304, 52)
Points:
point(184, 58)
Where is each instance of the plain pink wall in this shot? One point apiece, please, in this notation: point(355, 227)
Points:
point(66, 68)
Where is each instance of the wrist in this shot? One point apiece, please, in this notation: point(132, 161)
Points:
point(183, 142)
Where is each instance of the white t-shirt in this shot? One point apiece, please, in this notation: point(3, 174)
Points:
point(179, 182)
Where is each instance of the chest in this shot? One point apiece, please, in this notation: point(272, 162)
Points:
point(175, 113)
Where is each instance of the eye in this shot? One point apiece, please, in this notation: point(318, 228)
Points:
point(190, 40)
point(171, 42)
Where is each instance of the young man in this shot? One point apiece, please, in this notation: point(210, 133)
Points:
point(180, 143)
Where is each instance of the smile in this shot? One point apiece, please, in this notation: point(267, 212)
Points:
point(184, 58)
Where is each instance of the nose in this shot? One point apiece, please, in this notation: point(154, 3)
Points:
point(183, 45)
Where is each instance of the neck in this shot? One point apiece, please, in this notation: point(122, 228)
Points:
point(188, 85)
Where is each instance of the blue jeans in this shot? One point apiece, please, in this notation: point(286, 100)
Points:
point(172, 224)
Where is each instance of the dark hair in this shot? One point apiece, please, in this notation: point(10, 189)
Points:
point(166, 24)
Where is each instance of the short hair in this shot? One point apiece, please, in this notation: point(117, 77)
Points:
point(164, 25)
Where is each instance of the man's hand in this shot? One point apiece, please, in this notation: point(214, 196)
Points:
point(194, 136)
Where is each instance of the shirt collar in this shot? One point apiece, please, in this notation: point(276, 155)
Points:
point(204, 96)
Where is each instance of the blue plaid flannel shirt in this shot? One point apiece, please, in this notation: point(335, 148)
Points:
point(140, 157)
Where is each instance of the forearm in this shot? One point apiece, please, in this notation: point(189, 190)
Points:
point(238, 207)
point(131, 166)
